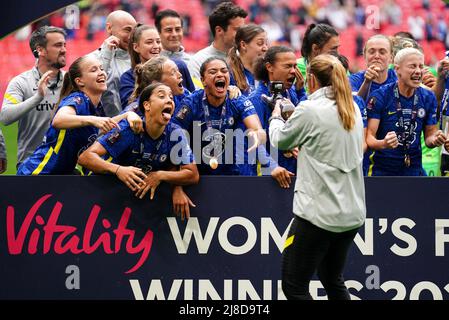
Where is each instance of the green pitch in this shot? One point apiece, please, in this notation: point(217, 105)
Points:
point(10, 134)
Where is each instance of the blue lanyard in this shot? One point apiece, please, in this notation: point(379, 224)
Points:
point(406, 136)
point(207, 115)
point(444, 103)
point(139, 161)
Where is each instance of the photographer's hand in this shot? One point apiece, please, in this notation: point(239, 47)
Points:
point(277, 109)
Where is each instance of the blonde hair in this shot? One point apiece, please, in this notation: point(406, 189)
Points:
point(379, 37)
point(330, 72)
point(404, 53)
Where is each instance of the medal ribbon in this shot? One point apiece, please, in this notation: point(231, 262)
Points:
point(406, 135)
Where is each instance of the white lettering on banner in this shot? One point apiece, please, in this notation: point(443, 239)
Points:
point(206, 290)
point(250, 230)
point(188, 289)
point(193, 227)
point(383, 224)
point(203, 289)
point(401, 235)
point(441, 238)
point(401, 292)
point(366, 246)
point(426, 285)
point(155, 291)
point(269, 231)
point(353, 284)
point(267, 227)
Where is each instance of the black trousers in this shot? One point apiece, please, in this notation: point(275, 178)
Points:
point(315, 250)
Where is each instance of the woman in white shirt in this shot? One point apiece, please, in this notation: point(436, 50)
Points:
point(329, 198)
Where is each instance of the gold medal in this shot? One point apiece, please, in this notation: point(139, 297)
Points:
point(407, 160)
point(213, 162)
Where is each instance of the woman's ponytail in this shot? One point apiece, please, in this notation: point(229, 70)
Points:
point(343, 95)
point(330, 73)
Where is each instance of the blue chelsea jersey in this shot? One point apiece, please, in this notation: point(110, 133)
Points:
point(249, 80)
point(191, 117)
point(382, 105)
point(362, 107)
point(59, 152)
point(127, 81)
point(126, 148)
point(357, 79)
point(267, 160)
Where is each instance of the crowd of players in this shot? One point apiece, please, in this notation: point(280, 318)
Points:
point(143, 109)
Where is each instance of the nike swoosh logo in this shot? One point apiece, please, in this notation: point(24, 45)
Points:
point(391, 112)
point(200, 123)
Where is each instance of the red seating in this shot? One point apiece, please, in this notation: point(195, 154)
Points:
point(16, 56)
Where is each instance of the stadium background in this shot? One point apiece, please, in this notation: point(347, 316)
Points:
point(285, 21)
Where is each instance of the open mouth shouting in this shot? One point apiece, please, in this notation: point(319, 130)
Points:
point(180, 87)
point(220, 86)
point(289, 83)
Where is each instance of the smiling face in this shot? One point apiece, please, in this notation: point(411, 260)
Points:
point(283, 69)
point(121, 27)
point(171, 33)
point(54, 52)
point(172, 77)
point(93, 77)
point(160, 106)
point(216, 80)
point(149, 45)
point(410, 70)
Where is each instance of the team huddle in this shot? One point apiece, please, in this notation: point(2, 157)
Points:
point(143, 109)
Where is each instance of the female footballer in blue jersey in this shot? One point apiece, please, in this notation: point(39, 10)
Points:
point(142, 161)
point(397, 114)
point(378, 55)
point(145, 44)
point(77, 120)
point(250, 43)
point(210, 113)
point(329, 199)
point(157, 69)
point(278, 64)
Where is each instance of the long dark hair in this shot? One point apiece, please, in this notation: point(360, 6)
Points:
point(146, 94)
point(260, 68)
point(246, 34)
point(69, 85)
point(135, 36)
point(318, 34)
